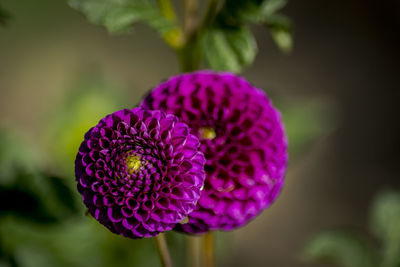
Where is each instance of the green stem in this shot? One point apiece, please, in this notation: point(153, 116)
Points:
point(193, 255)
point(190, 18)
point(209, 249)
point(189, 56)
point(210, 14)
point(163, 252)
point(190, 53)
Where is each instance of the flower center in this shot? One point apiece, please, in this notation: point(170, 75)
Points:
point(133, 163)
point(207, 133)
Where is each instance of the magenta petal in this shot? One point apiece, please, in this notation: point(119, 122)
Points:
point(130, 224)
point(242, 137)
point(114, 215)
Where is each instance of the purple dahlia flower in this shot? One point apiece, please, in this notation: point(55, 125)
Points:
point(242, 137)
point(139, 172)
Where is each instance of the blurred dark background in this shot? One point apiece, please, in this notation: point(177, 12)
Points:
point(338, 91)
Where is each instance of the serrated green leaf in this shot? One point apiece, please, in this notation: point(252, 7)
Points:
point(118, 16)
point(385, 223)
point(342, 248)
point(280, 29)
point(120, 19)
point(229, 49)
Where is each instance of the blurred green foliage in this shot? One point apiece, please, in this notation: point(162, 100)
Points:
point(26, 190)
point(119, 16)
point(4, 16)
point(223, 37)
point(280, 28)
point(344, 248)
point(230, 45)
point(73, 242)
point(350, 249)
point(385, 224)
point(90, 99)
point(306, 120)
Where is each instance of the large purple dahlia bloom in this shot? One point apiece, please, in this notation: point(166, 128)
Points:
point(140, 172)
point(242, 138)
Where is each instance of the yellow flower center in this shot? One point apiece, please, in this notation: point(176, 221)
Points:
point(207, 133)
point(133, 163)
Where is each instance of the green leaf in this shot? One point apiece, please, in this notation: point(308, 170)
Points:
point(118, 16)
point(62, 194)
point(36, 198)
point(24, 204)
point(385, 223)
point(239, 12)
point(229, 49)
point(339, 247)
point(280, 29)
point(235, 14)
point(269, 7)
point(385, 215)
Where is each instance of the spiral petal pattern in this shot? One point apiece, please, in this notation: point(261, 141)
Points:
point(140, 172)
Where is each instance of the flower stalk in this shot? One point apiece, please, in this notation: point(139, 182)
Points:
point(193, 247)
point(190, 59)
point(190, 54)
point(163, 251)
point(208, 243)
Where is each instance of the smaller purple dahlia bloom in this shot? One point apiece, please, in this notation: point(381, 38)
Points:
point(139, 172)
point(242, 137)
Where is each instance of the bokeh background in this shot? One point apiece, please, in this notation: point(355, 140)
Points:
point(338, 91)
